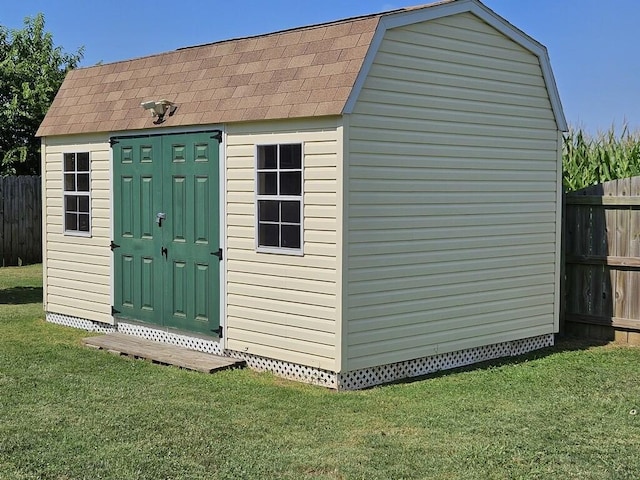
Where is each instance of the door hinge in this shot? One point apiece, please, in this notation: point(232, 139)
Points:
point(217, 136)
point(218, 254)
point(113, 246)
point(114, 311)
point(113, 141)
point(218, 331)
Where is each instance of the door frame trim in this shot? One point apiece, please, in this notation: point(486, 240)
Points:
point(222, 220)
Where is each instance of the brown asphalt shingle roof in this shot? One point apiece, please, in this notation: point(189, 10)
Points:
point(304, 72)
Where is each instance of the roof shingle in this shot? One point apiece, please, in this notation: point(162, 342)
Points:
point(297, 73)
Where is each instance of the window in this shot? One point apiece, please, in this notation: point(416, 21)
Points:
point(76, 194)
point(279, 197)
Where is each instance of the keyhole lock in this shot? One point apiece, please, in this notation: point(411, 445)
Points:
point(160, 216)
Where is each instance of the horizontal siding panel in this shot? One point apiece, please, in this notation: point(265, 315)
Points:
point(456, 317)
point(526, 318)
point(76, 253)
point(463, 288)
point(274, 341)
point(67, 278)
point(461, 127)
point(452, 345)
point(56, 263)
point(428, 279)
point(424, 304)
point(418, 210)
point(461, 187)
point(440, 64)
point(381, 135)
point(454, 242)
point(306, 261)
point(407, 234)
point(79, 292)
point(436, 256)
point(446, 266)
point(446, 198)
point(282, 271)
point(456, 104)
point(284, 307)
point(448, 116)
point(90, 310)
point(250, 344)
point(324, 339)
point(62, 309)
point(403, 222)
point(281, 293)
point(411, 41)
point(437, 173)
point(469, 155)
point(284, 283)
point(284, 320)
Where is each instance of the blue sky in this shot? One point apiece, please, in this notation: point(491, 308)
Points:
point(592, 44)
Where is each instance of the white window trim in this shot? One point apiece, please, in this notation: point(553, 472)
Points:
point(76, 233)
point(279, 250)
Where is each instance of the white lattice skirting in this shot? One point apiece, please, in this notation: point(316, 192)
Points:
point(353, 380)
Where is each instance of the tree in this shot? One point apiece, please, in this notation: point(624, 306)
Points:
point(32, 69)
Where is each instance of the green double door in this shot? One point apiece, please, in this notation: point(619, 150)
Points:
point(166, 231)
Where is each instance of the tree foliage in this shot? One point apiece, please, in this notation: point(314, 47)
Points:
point(32, 69)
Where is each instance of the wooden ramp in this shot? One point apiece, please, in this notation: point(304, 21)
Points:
point(162, 353)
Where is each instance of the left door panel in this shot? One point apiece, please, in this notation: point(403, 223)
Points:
point(137, 201)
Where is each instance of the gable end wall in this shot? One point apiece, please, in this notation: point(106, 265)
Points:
point(452, 181)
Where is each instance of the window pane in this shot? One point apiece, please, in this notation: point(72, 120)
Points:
point(83, 204)
point(71, 203)
point(69, 182)
point(291, 156)
point(83, 182)
point(268, 235)
point(83, 162)
point(267, 183)
point(71, 221)
point(267, 157)
point(83, 222)
point(291, 183)
point(291, 236)
point(69, 162)
point(291, 212)
point(268, 211)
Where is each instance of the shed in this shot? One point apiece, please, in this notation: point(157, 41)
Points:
point(346, 204)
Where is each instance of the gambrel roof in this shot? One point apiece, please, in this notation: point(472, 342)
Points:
point(304, 72)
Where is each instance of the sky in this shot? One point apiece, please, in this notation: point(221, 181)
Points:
point(592, 44)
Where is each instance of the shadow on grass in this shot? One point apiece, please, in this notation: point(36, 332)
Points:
point(20, 295)
point(562, 344)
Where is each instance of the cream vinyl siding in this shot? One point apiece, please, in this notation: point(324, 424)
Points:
point(78, 269)
point(452, 196)
point(283, 306)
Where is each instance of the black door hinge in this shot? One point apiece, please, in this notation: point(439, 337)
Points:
point(113, 246)
point(218, 254)
point(113, 141)
point(217, 136)
point(218, 331)
point(114, 311)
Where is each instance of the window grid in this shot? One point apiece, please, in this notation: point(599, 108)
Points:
point(279, 198)
point(77, 202)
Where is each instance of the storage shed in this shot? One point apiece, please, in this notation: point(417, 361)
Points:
point(346, 204)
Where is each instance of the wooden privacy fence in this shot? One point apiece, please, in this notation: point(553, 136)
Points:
point(20, 220)
point(602, 261)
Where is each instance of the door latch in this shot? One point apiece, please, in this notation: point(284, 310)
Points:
point(163, 252)
point(160, 216)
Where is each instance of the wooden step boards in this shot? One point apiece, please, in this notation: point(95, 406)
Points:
point(162, 353)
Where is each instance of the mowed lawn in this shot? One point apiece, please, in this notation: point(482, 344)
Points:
point(68, 412)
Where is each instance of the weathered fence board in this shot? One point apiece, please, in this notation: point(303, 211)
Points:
point(20, 220)
point(602, 260)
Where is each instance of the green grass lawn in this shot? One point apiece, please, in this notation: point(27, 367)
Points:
point(68, 412)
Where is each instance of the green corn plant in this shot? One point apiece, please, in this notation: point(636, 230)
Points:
point(589, 160)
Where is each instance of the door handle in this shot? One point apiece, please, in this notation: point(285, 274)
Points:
point(159, 217)
point(163, 252)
